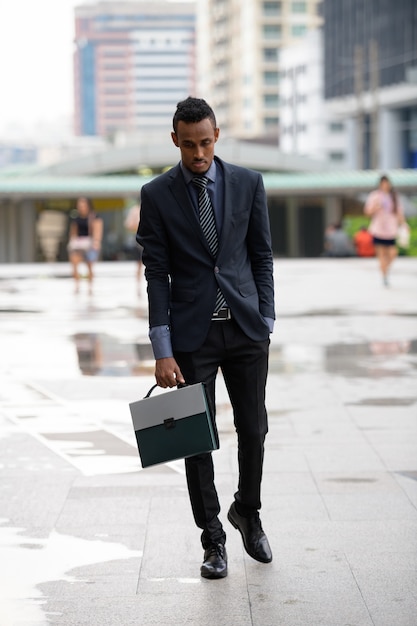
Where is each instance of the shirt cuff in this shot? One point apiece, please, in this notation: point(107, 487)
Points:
point(270, 321)
point(160, 337)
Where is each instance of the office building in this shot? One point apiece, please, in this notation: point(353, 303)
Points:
point(306, 127)
point(370, 78)
point(133, 62)
point(239, 59)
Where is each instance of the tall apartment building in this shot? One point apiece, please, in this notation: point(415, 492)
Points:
point(370, 77)
point(133, 62)
point(307, 128)
point(239, 59)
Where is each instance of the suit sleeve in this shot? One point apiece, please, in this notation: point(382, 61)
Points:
point(260, 251)
point(152, 236)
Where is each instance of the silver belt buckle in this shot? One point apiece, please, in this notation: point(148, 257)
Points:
point(222, 316)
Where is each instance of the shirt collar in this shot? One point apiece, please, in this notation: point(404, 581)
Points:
point(210, 174)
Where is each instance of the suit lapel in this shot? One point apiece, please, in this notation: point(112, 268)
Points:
point(179, 191)
point(230, 182)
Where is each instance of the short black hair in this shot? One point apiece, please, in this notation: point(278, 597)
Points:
point(192, 110)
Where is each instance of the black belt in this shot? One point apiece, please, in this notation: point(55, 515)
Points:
point(222, 316)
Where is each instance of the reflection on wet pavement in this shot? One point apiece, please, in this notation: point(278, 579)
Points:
point(362, 360)
point(375, 359)
point(343, 313)
point(106, 355)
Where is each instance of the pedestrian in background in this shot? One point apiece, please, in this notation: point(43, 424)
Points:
point(208, 262)
point(364, 242)
point(386, 212)
point(131, 224)
point(85, 236)
point(336, 242)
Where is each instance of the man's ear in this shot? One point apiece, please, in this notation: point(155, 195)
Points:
point(216, 134)
point(174, 138)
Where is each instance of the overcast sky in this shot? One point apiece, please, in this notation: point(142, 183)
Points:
point(36, 45)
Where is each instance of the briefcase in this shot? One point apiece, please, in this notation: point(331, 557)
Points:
point(173, 425)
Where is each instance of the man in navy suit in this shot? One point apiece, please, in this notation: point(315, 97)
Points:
point(211, 305)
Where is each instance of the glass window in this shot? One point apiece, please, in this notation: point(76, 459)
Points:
point(299, 7)
point(298, 30)
point(336, 127)
point(272, 31)
point(271, 54)
point(271, 78)
point(336, 156)
point(271, 121)
point(272, 8)
point(114, 66)
point(271, 100)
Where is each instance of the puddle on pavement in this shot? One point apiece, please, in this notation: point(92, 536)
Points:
point(91, 443)
point(384, 402)
point(376, 359)
point(106, 355)
point(352, 480)
point(4, 310)
point(33, 562)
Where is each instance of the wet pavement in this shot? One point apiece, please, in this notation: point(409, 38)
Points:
point(88, 537)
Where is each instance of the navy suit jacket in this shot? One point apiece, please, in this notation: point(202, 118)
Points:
point(181, 272)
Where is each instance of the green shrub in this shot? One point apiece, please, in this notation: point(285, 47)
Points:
point(353, 223)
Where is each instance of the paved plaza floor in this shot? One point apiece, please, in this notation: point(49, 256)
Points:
point(88, 537)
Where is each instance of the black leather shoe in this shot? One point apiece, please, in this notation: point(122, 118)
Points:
point(215, 562)
point(254, 539)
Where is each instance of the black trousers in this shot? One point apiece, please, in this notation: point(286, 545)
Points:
point(244, 365)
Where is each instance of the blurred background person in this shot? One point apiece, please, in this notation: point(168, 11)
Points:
point(85, 236)
point(364, 242)
point(337, 242)
point(131, 224)
point(386, 213)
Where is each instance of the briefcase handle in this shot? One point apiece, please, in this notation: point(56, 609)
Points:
point(155, 386)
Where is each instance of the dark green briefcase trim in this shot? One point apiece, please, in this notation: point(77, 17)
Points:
point(186, 437)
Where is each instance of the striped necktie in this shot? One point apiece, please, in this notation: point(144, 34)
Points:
point(205, 209)
point(208, 226)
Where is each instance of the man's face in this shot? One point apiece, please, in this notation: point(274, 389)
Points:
point(196, 143)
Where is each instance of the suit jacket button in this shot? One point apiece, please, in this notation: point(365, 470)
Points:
point(216, 270)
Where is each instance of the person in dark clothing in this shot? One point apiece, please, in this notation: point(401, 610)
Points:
point(208, 262)
point(86, 232)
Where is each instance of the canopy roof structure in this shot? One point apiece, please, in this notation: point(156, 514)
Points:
point(277, 184)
